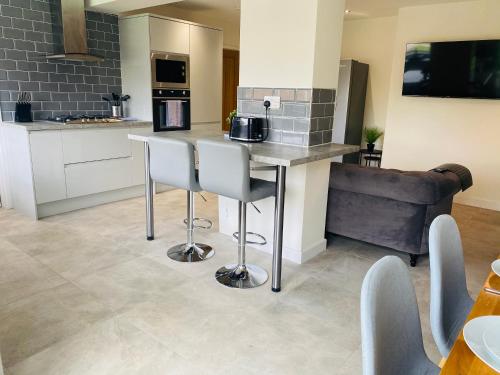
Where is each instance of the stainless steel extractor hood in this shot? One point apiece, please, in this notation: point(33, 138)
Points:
point(74, 33)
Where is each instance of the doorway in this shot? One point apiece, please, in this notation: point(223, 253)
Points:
point(230, 80)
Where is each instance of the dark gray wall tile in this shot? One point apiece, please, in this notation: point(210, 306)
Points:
point(29, 30)
point(315, 138)
point(317, 110)
point(17, 75)
point(326, 95)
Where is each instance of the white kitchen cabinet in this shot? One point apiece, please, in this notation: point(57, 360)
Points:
point(97, 176)
point(95, 144)
point(48, 166)
point(169, 36)
point(206, 74)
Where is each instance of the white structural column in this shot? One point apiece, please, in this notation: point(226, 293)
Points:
point(290, 44)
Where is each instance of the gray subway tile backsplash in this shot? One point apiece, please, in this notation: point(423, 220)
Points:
point(293, 138)
point(30, 31)
point(305, 116)
point(295, 110)
point(282, 123)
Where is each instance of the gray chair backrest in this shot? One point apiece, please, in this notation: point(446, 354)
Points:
point(172, 162)
point(224, 168)
point(390, 323)
point(450, 300)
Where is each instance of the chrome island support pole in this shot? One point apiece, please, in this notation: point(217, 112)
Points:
point(150, 228)
point(279, 210)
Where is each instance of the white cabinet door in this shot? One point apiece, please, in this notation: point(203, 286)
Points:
point(48, 166)
point(168, 36)
point(206, 74)
point(97, 176)
point(82, 145)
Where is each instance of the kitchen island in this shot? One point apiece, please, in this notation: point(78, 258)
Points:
point(49, 168)
point(307, 186)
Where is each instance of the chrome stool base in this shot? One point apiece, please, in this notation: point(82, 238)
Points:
point(241, 277)
point(185, 253)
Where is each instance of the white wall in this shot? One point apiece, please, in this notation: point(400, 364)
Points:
point(330, 22)
point(371, 41)
point(422, 133)
point(285, 55)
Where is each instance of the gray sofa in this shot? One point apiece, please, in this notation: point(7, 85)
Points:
point(389, 207)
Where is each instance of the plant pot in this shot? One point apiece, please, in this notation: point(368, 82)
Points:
point(370, 147)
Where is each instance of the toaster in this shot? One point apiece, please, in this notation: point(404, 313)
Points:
point(247, 129)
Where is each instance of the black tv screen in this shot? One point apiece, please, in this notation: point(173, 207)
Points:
point(468, 69)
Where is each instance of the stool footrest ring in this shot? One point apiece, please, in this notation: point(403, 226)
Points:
point(207, 223)
point(261, 240)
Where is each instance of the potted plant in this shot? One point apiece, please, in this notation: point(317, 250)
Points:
point(371, 136)
point(229, 119)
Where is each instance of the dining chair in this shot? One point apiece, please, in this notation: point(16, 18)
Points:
point(391, 333)
point(450, 300)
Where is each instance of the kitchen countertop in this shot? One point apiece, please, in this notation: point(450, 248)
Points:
point(265, 152)
point(49, 125)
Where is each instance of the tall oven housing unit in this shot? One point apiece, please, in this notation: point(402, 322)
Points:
point(173, 71)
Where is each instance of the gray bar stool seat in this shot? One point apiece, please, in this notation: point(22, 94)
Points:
point(225, 170)
point(173, 163)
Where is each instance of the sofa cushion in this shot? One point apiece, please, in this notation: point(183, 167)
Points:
point(412, 187)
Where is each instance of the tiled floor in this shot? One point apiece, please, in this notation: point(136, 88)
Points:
point(84, 294)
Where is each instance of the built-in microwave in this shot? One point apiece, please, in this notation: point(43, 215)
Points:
point(169, 70)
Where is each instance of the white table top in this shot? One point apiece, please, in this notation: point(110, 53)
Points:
point(265, 152)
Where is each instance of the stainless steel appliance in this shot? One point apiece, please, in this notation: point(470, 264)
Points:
point(169, 70)
point(247, 129)
point(171, 110)
point(83, 119)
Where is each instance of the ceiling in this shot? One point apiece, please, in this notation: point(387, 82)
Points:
point(381, 8)
point(357, 8)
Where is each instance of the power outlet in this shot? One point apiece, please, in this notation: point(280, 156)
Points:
point(274, 100)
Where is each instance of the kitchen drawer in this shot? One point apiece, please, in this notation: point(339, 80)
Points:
point(97, 176)
point(82, 145)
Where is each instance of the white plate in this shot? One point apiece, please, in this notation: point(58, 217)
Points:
point(473, 335)
point(495, 266)
point(491, 339)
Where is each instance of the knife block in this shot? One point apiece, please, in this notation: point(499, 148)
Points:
point(23, 112)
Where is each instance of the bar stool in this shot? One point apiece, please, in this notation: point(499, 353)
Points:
point(172, 163)
point(225, 170)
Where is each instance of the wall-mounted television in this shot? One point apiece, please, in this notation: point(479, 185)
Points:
point(466, 69)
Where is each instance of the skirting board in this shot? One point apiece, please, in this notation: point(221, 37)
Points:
point(72, 204)
point(478, 202)
point(293, 255)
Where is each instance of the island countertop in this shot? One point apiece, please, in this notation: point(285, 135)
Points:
point(50, 125)
point(265, 152)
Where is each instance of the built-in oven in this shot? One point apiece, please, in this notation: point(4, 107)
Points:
point(171, 110)
point(169, 70)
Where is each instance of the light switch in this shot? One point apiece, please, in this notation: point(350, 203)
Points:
point(274, 100)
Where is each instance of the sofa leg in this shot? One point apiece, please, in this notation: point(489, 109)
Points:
point(413, 260)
